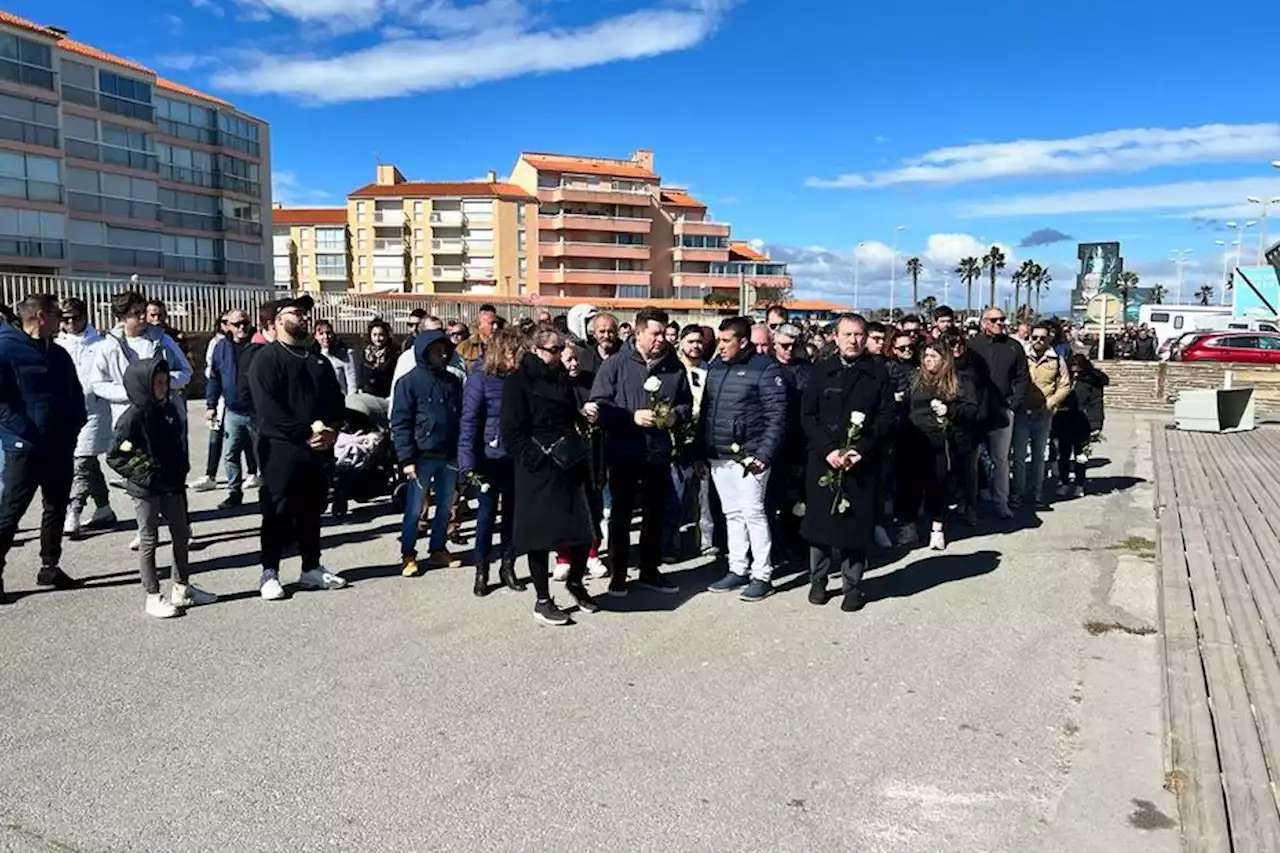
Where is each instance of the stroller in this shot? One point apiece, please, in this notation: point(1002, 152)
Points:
point(365, 468)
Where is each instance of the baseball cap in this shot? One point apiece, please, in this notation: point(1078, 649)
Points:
point(303, 303)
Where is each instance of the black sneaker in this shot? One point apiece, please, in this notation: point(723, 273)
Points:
point(547, 613)
point(853, 601)
point(582, 597)
point(657, 583)
point(57, 578)
point(618, 587)
point(232, 501)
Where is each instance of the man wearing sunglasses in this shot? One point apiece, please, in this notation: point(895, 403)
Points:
point(228, 365)
point(1049, 384)
point(1003, 361)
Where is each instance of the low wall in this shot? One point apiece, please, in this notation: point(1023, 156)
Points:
point(1151, 386)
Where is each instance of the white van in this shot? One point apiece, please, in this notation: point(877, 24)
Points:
point(1170, 321)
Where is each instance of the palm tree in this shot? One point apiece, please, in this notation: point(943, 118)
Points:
point(1041, 281)
point(993, 262)
point(1126, 284)
point(1204, 294)
point(969, 270)
point(1157, 295)
point(914, 268)
point(1020, 276)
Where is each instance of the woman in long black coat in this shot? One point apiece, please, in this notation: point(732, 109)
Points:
point(848, 383)
point(539, 409)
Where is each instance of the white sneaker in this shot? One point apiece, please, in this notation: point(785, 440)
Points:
point(320, 578)
point(560, 572)
point(71, 526)
point(135, 543)
point(1079, 492)
point(937, 541)
point(596, 568)
point(882, 538)
point(190, 595)
point(204, 484)
point(159, 608)
point(252, 482)
point(270, 587)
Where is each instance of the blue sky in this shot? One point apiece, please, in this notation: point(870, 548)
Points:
point(811, 126)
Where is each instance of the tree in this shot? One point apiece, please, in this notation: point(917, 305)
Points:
point(1126, 285)
point(914, 268)
point(772, 294)
point(928, 305)
point(969, 270)
point(1157, 295)
point(1205, 293)
point(1023, 275)
point(993, 262)
point(1041, 282)
point(717, 298)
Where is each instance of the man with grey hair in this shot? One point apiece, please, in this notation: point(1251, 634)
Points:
point(762, 338)
point(786, 485)
point(602, 331)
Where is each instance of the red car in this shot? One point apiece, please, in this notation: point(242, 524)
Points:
point(1239, 346)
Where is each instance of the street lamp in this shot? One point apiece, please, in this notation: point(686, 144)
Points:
point(1179, 258)
point(1226, 253)
point(1264, 203)
point(893, 272)
point(1242, 228)
point(856, 263)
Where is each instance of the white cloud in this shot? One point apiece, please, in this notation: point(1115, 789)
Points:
point(209, 6)
point(1130, 150)
point(469, 50)
point(1190, 196)
point(286, 189)
point(171, 22)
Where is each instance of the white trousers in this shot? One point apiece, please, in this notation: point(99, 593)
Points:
point(746, 522)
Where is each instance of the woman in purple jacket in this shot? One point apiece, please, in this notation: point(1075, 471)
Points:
point(483, 460)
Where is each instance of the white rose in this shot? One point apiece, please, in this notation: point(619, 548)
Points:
point(1082, 459)
point(735, 447)
point(126, 447)
point(653, 384)
point(484, 488)
point(857, 418)
point(317, 426)
point(798, 510)
point(939, 408)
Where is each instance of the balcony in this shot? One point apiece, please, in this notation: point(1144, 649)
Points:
point(446, 217)
point(448, 247)
point(706, 229)
point(578, 249)
point(609, 277)
point(388, 247)
point(447, 274)
point(588, 195)
point(707, 280)
point(584, 222)
point(682, 253)
point(389, 218)
point(479, 274)
point(479, 247)
point(32, 248)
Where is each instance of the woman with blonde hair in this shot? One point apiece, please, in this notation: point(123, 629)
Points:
point(940, 401)
point(483, 460)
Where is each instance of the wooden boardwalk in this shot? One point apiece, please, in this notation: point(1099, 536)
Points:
point(1218, 500)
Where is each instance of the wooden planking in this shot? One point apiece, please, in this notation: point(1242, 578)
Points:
point(1193, 754)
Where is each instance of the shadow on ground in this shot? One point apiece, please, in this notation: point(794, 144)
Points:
point(923, 575)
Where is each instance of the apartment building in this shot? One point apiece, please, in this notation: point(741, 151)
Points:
point(311, 249)
point(108, 170)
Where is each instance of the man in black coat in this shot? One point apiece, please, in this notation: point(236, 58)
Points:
point(847, 414)
point(1004, 362)
point(786, 483)
point(644, 399)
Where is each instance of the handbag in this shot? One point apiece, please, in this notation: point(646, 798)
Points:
point(568, 452)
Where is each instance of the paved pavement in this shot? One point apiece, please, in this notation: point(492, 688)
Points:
point(967, 709)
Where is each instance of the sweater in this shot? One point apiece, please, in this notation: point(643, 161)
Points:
point(292, 388)
point(1004, 364)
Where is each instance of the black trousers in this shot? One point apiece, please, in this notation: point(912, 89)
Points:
point(295, 489)
point(540, 569)
point(851, 562)
point(51, 473)
point(1069, 446)
point(923, 470)
point(647, 487)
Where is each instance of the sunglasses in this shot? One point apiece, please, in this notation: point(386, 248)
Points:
point(996, 320)
point(906, 348)
point(554, 350)
point(774, 325)
point(457, 335)
point(784, 346)
point(1039, 337)
point(238, 324)
point(71, 318)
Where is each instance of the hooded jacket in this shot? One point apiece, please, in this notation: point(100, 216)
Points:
point(95, 435)
point(147, 448)
point(116, 353)
point(426, 410)
point(41, 403)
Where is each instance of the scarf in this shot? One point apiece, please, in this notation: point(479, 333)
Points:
point(376, 358)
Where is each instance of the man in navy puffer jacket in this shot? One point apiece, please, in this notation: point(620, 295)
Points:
point(426, 415)
point(743, 421)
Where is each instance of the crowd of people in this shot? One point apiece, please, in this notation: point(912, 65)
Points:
point(782, 446)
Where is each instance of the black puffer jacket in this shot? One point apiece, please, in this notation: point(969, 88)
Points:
point(1083, 413)
point(745, 404)
point(147, 450)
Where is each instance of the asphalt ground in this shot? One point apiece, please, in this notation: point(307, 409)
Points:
point(967, 708)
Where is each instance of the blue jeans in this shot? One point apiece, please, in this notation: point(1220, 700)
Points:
point(238, 438)
point(444, 475)
point(500, 475)
point(1030, 433)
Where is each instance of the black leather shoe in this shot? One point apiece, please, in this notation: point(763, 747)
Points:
point(57, 579)
point(481, 588)
point(507, 574)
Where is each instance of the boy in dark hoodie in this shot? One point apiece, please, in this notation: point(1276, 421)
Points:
point(426, 418)
point(148, 451)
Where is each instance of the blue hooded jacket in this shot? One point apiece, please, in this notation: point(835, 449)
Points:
point(426, 412)
point(41, 400)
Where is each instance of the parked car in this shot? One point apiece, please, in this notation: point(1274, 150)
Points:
point(1244, 347)
point(1169, 349)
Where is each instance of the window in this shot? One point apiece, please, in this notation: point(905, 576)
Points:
point(331, 266)
point(522, 239)
point(126, 147)
point(524, 265)
point(112, 194)
point(185, 165)
point(38, 224)
point(1178, 321)
point(1159, 317)
point(361, 242)
point(239, 176)
point(305, 260)
point(417, 238)
point(189, 210)
point(186, 121)
point(238, 133)
point(478, 209)
point(1237, 342)
point(360, 208)
point(519, 212)
point(192, 254)
point(29, 63)
point(331, 240)
point(364, 263)
point(30, 121)
point(125, 96)
point(417, 210)
point(304, 238)
point(29, 176)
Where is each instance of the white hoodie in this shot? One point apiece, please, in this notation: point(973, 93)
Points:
point(95, 435)
point(116, 352)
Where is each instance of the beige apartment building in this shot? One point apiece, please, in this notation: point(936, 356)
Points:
point(107, 170)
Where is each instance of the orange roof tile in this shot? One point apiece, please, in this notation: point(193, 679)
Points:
point(565, 163)
point(171, 86)
point(309, 216)
point(444, 188)
point(101, 55)
point(746, 253)
point(680, 198)
point(24, 24)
